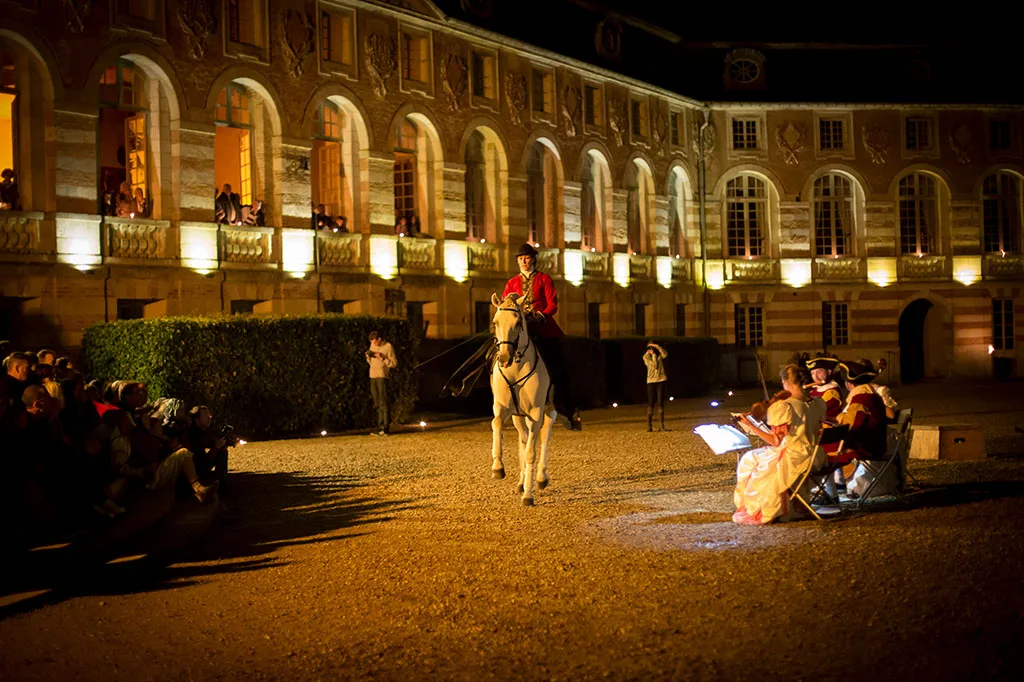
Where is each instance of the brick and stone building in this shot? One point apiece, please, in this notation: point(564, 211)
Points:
point(672, 187)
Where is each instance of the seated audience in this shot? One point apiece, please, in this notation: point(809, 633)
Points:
point(209, 447)
point(402, 227)
point(140, 207)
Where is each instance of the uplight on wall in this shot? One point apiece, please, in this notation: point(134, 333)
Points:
point(573, 265)
point(715, 274)
point(297, 251)
point(620, 269)
point(384, 256)
point(78, 240)
point(882, 271)
point(967, 269)
point(796, 272)
point(456, 260)
point(664, 270)
point(199, 247)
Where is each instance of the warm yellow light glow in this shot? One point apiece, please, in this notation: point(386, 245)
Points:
point(967, 269)
point(664, 269)
point(796, 272)
point(297, 251)
point(715, 274)
point(574, 267)
point(78, 240)
point(456, 260)
point(620, 269)
point(882, 271)
point(199, 247)
point(384, 256)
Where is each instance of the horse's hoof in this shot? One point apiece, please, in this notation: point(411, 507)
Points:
point(542, 484)
point(527, 501)
point(497, 474)
point(521, 489)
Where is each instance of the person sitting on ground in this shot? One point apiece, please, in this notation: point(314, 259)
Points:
point(10, 198)
point(209, 448)
point(765, 475)
point(654, 358)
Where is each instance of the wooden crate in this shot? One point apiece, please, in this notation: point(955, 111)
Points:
point(953, 442)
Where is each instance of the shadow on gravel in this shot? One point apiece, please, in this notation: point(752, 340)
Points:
point(259, 513)
point(954, 494)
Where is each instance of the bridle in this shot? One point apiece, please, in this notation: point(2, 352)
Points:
point(518, 355)
point(518, 329)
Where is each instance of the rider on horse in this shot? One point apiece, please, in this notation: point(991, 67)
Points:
point(538, 297)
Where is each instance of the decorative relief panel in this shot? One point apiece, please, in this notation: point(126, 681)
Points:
point(547, 261)
point(454, 77)
point(961, 142)
point(572, 104)
point(296, 39)
point(618, 119)
point(1010, 266)
point(641, 267)
point(705, 136)
point(876, 142)
point(659, 127)
point(753, 270)
point(75, 13)
point(198, 22)
point(681, 269)
point(515, 94)
point(595, 264)
point(790, 138)
point(381, 61)
point(608, 38)
point(19, 232)
point(338, 250)
point(838, 269)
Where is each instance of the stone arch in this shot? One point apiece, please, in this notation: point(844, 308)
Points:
point(925, 168)
point(596, 200)
point(767, 174)
point(549, 138)
point(925, 327)
point(594, 146)
point(840, 168)
point(348, 101)
point(486, 183)
point(772, 234)
point(859, 201)
point(153, 64)
point(256, 82)
point(427, 162)
point(641, 217)
point(545, 195)
point(681, 208)
point(491, 130)
point(1014, 168)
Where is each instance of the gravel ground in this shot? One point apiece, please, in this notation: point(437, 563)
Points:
point(400, 558)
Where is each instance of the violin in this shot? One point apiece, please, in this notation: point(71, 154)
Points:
point(759, 410)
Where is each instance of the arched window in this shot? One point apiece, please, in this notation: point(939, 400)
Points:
point(327, 164)
point(746, 199)
point(123, 137)
point(919, 211)
point(676, 214)
point(233, 142)
point(405, 170)
point(536, 215)
point(476, 187)
point(833, 215)
point(8, 120)
point(1001, 204)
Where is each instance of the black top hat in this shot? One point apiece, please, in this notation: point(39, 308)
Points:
point(526, 250)
point(857, 373)
point(823, 362)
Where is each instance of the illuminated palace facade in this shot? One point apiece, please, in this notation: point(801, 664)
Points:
point(867, 229)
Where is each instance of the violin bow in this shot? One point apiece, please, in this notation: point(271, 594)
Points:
point(760, 373)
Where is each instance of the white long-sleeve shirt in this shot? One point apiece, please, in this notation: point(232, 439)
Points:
point(382, 361)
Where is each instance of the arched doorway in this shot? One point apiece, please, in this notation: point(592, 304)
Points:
point(912, 341)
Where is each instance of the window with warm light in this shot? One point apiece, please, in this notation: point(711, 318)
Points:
point(405, 171)
point(483, 77)
point(233, 142)
point(833, 215)
point(744, 133)
point(123, 137)
point(415, 58)
point(749, 321)
point(535, 213)
point(1001, 208)
point(835, 327)
point(247, 22)
point(676, 214)
point(336, 39)
point(638, 114)
point(746, 210)
point(327, 164)
point(919, 210)
point(593, 106)
point(542, 91)
point(8, 113)
point(1002, 323)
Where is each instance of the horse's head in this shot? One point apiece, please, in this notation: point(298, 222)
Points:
point(509, 324)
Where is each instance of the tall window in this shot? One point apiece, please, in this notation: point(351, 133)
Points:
point(594, 185)
point(246, 21)
point(123, 136)
point(746, 213)
point(405, 170)
point(336, 37)
point(542, 91)
point(833, 215)
point(831, 134)
point(675, 128)
point(1001, 203)
point(476, 190)
point(1002, 323)
point(749, 325)
point(918, 133)
point(638, 117)
point(744, 133)
point(327, 165)
point(835, 329)
point(919, 210)
point(8, 114)
point(415, 58)
point(233, 142)
point(592, 106)
point(483, 75)
point(535, 210)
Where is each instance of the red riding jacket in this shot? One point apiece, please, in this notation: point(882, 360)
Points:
point(545, 300)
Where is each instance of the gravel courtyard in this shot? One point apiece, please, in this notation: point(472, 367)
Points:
point(399, 558)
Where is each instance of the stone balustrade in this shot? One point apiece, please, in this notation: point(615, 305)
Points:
point(1003, 266)
point(923, 267)
point(760, 270)
point(641, 267)
point(596, 264)
point(136, 238)
point(247, 245)
point(547, 261)
point(483, 257)
point(336, 250)
point(681, 270)
point(19, 232)
point(417, 253)
point(839, 269)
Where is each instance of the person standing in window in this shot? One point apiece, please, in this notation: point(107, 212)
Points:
point(654, 358)
point(229, 206)
point(381, 359)
point(10, 199)
point(124, 201)
point(140, 207)
point(321, 220)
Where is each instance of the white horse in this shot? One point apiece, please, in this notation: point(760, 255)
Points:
point(521, 386)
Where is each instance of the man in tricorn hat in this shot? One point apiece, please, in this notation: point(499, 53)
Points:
point(538, 297)
point(864, 413)
point(824, 387)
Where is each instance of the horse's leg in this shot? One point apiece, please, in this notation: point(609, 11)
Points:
point(522, 429)
point(545, 438)
point(497, 466)
point(537, 417)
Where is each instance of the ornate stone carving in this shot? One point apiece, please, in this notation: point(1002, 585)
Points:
point(618, 120)
point(790, 138)
point(961, 141)
point(76, 11)
point(380, 61)
point(515, 93)
point(143, 240)
point(706, 137)
point(338, 250)
point(876, 142)
point(572, 103)
point(198, 22)
point(241, 245)
point(608, 38)
point(19, 232)
point(454, 77)
point(483, 257)
point(297, 39)
point(659, 127)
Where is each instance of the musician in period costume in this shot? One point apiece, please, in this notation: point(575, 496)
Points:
point(864, 414)
point(538, 296)
point(824, 386)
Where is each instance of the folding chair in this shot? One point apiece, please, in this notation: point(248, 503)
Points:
point(878, 468)
point(818, 475)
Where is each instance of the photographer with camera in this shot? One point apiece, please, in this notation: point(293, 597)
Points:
point(381, 359)
point(656, 379)
point(208, 444)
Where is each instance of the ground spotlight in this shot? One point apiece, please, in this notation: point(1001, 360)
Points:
point(714, 403)
point(730, 393)
point(323, 433)
point(615, 404)
point(423, 425)
point(241, 441)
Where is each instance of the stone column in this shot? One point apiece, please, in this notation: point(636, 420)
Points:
point(195, 153)
point(381, 173)
point(658, 233)
point(517, 230)
point(619, 230)
point(294, 181)
point(572, 218)
point(454, 201)
point(77, 178)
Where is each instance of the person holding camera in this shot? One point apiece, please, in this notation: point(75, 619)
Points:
point(209, 446)
point(381, 359)
point(654, 358)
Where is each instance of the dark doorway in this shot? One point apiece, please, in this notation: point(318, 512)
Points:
point(594, 320)
point(481, 316)
point(912, 350)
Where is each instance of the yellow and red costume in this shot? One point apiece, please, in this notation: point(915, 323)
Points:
point(865, 415)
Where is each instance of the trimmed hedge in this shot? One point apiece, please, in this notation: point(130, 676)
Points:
point(691, 366)
point(268, 375)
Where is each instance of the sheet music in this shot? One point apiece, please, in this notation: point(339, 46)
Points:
point(723, 438)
